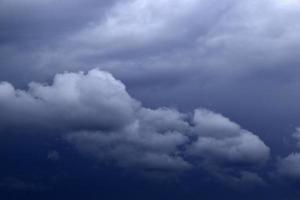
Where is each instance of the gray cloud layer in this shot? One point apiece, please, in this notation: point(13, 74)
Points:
point(237, 57)
point(166, 51)
point(231, 37)
point(94, 112)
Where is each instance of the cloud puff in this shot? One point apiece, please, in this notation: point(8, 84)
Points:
point(152, 141)
point(94, 112)
point(228, 50)
point(289, 166)
point(74, 101)
point(220, 140)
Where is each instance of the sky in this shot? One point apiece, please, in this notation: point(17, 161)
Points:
point(142, 99)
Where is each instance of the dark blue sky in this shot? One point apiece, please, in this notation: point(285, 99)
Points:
point(141, 99)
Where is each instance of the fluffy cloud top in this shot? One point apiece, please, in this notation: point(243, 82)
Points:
point(94, 112)
point(288, 167)
point(222, 140)
point(73, 101)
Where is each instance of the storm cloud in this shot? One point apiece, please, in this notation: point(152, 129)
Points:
point(166, 52)
point(202, 88)
point(94, 112)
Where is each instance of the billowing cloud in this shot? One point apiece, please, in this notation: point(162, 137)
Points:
point(220, 140)
point(73, 101)
point(239, 58)
point(288, 167)
point(166, 51)
point(94, 112)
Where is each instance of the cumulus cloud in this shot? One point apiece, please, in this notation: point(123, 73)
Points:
point(152, 141)
point(224, 48)
point(220, 140)
point(74, 101)
point(94, 112)
point(222, 55)
point(288, 167)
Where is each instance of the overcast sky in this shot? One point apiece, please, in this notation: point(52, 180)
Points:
point(143, 99)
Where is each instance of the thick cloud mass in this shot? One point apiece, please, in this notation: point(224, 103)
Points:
point(225, 55)
point(94, 112)
point(73, 101)
point(238, 58)
point(222, 140)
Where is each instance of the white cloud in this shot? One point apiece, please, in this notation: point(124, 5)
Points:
point(73, 101)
